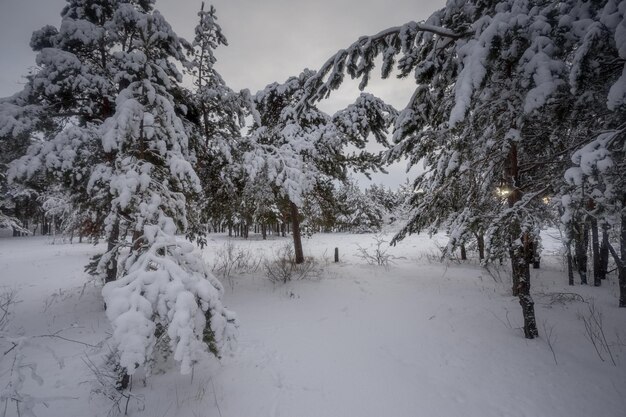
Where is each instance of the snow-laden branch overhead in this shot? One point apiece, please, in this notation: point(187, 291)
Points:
point(389, 42)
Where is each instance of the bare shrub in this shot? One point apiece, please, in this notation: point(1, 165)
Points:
point(107, 384)
point(496, 272)
point(231, 259)
point(7, 300)
point(377, 254)
point(283, 268)
point(594, 332)
point(548, 331)
point(561, 297)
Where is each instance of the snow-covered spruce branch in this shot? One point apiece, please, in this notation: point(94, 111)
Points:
point(344, 60)
point(167, 290)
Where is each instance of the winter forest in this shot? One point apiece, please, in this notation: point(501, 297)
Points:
point(170, 246)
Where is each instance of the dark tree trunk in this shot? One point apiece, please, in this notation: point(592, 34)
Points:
point(622, 266)
point(112, 242)
point(264, 231)
point(595, 247)
point(519, 257)
point(521, 269)
point(297, 239)
point(480, 239)
point(604, 253)
point(621, 263)
point(580, 255)
point(463, 253)
point(570, 267)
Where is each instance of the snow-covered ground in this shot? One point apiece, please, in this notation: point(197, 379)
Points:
point(416, 338)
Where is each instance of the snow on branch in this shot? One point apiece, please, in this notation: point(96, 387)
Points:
point(168, 292)
point(357, 59)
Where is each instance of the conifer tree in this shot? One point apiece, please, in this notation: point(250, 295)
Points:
point(493, 83)
point(109, 106)
point(294, 150)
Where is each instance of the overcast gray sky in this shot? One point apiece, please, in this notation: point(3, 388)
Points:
point(269, 40)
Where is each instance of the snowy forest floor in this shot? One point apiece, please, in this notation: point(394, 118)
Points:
point(416, 338)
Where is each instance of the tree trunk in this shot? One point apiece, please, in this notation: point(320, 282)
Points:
point(112, 241)
point(521, 273)
point(620, 259)
point(570, 268)
point(595, 247)
point(604, 253)
point(480, 239)
point(264, 231)
point(297, 240)
point(519, 258)
point(580, 255)
point(463, 253)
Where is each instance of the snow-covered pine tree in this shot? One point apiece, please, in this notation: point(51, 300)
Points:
point(492, 85)
point(594, 195)
point(103, 102)
point(358, 212)
point(18, 203)
point(164, 290)
point(295, 148)
point(321, 207)
point(281, 148)
point(219, 114)
point(63, 104)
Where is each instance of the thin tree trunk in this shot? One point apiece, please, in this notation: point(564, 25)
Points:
point(264, 231)
point(604, 253)
point(297, 239)
point(580, 256)
point(621, 276)
point(480, 238)
point(595, 247)
point(463, 253)
point(112, 242)
point(620, 259)
point(570, 268)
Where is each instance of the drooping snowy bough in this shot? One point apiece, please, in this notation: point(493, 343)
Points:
point(506, 92)
point(168, 299)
